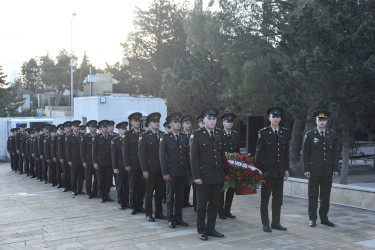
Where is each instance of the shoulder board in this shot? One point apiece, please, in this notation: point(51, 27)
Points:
point(162, 133)
point(161, 139)
point(183, 132)
point(218, 129)
point(129, 131)
point(284, 128)
point(234, 132)
point(112, 142)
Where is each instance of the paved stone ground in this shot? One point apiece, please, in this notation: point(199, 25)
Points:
point(34, 215)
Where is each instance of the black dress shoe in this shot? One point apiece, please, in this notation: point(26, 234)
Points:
point(127, 204)
point(171, 224)
point(133, 211)
point(188, 204)
point(312, 223)
point(65, 190)
point(181, 223)
point(203, 237)
point(40, 180)
point(53, 185)
point(59, 186)
point(267, 229)
point(328, 223)
point(109, 199)
point(45, 182)
point(122, 207)
point(20, 173)
point(222, 216)
point(229, 215)
point(161, 217)
point(74, 193)
point(278, 227)
point(89, 196)
point(150, 218)
point(215, 233)
point(81, 192)
point(141, 210)
point(101, 200)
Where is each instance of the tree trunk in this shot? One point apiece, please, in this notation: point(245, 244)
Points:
point(345, 157)
point(296, 167)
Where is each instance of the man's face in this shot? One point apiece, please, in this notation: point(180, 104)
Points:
point(53, 133)
point(154, 125)
point(175, 125)
point(187, 125)
point(136, 124)
point(104, 129)
point(121, 131)
point(82, 130)
point(275, 120)
point(210, 122)
point(22, 129)
point(75, 129)
point(321, 123)
point(67, 129)
point(228, 125)
point(92, 129)
point(61, 131)
point(111, 128)
point(201, 124)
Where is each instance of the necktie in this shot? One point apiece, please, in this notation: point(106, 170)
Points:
point(230, 136)
point(212, 135)
point(138, 134)
point(157, 135)
point(277, 137)
point(178, 141)
point(322, 134)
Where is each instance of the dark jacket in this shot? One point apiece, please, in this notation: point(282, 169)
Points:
point(18, 137)
point(320, 156)
point(231, 143)
point(148, 152)
point(207, 157)
point(116, 151)
point(86, 148)
point(101, 150)
point(61, 151)
point(174, 157)
point(41, 144)
point(47, 148)
point(72, 145)
point(272, 154)
point(130, 149)
point(54, 144)
point(35, 146)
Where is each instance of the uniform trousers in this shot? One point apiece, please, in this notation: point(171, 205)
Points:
point(91, 185)
point(175, 197)
point(59, 173)
point(122, 187)
point(208, 198)
point(26, 165)
point(104, 175)
point(77, 173)
point(136, 188)
point(226, 204)
point(52, 172)
point(32, 167)
point(272, 186)
point(66, 175)
point(20, 163)
point(324, 183)
point(155, 183)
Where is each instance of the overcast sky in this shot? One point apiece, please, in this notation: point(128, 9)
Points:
point(34, 28)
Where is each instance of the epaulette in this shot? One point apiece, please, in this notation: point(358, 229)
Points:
point(284, 128)
point(162, 133)
point(234, 132)
point(218, 129)
point(129, 131)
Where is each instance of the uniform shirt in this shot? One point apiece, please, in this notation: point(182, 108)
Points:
point(231, 142)
point(101, 150)
point(47, 148)
point(72, 146)
point(130, 148)
point(207, 156)
point(174, 156)
point(320, 155)
point(86, 148)
point(272, 153)
point(148, 151)
point(116, 152)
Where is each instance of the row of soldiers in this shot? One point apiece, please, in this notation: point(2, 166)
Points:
point(146, 163)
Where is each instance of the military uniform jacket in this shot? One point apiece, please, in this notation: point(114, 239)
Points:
point(35, 146)
point(73, 145)
point(86, 148)
point(174, 157)
point(8, 143)
point(272, 154)
point(61, 151)
point(130, 149)
point(101, 150)
point(18, 140)
point(13, 144)
point(32, 142)
point(207, 156)
point(116, 152)
point(27, 146)
point(148, 151)
point(47, 148)
point(23, 143)
point(320, 155)
point(41, 143)
point(54, 144)
point(231, 142)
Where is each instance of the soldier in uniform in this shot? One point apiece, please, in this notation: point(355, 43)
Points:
point(111, 127)
point(48, 145)
point(272, 157)
point(321, 162)
point(148, 154)
point(35, 151)
point(19, 136)
point(174, 161)
point(132, 164)
point(29, 152)
point(77, 171)
point(231, 145)
point(186, 129)
point(200, 121)
point(9, 148)
point(86, 159)
point(61, 149)
point(102, 160)
point(82, 130)
point(118, 165)
point(55, 153)
point(167, 128)
point(44, 168)
point(207, 159)
point(26, 162)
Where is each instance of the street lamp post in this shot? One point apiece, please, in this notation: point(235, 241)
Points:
point(71, 66)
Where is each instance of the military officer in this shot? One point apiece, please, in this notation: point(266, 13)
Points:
point(102, 160)
point(62, 156)
point(200, 121)
point(207, 159)
point(86, 159)
point(24, 142)
point(82, 130)
point(10, 145)
point(44, 135)
point(132, 164)
point(272, 157)
point(29, 152)
point(167, 128)
point(122, 181)
point(38, 164)
point(20, 135)
point(174, 161)
point(231, 145)
point(48, 153)
point(148, 154)
point(55, 155)
point(321, 162)
point(186, 129)
point(77, 171)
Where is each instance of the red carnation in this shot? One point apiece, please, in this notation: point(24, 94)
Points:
point(229, 170)
point(236, 172)
point(242, 175)
point(264, 181)
point(226, 178)
point(233, 177)
point(256, 178)
point(256, 171)
point(246, 178)
point(240, 181)
point(241, 168)
point(251, 173)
